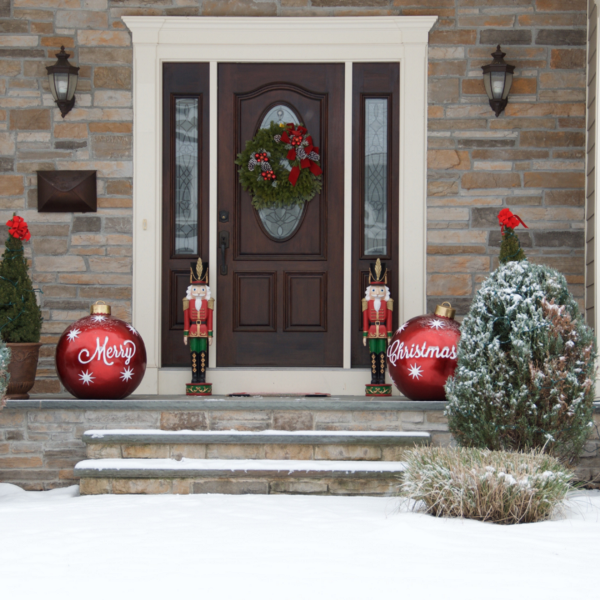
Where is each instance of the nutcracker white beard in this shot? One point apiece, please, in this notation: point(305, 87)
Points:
point(377, 301)
point(188, 294)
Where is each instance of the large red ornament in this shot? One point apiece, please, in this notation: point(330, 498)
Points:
point(422, 355)
point(100, 357)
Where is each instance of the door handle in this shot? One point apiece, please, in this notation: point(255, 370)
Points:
point(224, 244)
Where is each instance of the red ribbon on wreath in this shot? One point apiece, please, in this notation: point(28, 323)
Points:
point(507, 219)
point(302, 148)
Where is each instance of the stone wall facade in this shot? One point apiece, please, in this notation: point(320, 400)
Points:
point(40, 446)
point(531, 158)
point(40, 441)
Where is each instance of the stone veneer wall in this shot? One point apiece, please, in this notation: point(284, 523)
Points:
point(530, 159)
point(40, 440)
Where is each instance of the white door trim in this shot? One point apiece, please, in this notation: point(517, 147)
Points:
point(273, 39)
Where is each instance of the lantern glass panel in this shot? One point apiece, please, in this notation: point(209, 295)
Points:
point(498, 84)
point(72, 85)
point(507, 85)
point(488, 84)
point(61, 82)
point(52, 86)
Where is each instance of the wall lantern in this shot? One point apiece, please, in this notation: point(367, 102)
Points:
point(497, 78)
point(63, 81)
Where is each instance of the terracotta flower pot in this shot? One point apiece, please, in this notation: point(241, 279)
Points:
point(22, 368)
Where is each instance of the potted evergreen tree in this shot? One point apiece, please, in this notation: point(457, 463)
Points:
point(526, 361)
point(20, 315)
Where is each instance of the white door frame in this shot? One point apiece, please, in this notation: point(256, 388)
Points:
point(273, 39)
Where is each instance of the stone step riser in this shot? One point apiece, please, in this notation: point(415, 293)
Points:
point(374, 452)
point(324, 485)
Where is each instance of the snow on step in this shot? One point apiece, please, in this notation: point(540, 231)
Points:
point(166, 468)
point(157, 436)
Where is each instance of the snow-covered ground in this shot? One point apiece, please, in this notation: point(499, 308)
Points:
point(58, 545)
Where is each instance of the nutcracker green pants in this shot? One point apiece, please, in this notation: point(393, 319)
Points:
point(197, 344)
point(377, 345)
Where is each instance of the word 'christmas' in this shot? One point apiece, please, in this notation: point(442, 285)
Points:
point(106, 353)
point(398, 351)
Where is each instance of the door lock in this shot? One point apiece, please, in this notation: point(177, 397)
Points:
point(223, 244)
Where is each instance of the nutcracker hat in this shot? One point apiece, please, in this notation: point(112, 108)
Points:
point(377, 272)
point(199, 272)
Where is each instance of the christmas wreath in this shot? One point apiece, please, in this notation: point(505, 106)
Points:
point(280, 167)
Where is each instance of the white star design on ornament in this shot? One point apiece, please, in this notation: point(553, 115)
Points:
point(402, 328)
point(437, 324)
point(86, 377)
point(127, 374)
point(73, 334)
point(98, 319)
point(132, 329)
point(415, 372)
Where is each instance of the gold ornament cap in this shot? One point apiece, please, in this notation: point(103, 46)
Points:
point(100, 308)
point(441, 310)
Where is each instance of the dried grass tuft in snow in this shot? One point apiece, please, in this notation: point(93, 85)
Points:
point(502, 487)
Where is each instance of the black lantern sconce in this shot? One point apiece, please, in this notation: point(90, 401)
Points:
point(63, 81)
point(497, 78)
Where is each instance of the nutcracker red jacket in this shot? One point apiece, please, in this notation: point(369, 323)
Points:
point(377, 323)
point(198, 323)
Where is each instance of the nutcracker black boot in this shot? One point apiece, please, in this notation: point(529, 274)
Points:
point(382, 367)
point(203, 366)
point(374, 370)
point(194, 367)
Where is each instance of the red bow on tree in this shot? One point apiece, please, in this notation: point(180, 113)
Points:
point(302, 148)
point(17, 227)
point(507, 219)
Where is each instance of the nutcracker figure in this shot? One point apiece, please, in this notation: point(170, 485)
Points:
point(198, 307)
point(377, 307)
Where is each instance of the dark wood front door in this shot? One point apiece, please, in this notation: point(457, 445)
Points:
point(280, 303)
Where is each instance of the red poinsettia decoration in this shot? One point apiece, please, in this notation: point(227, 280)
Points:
point(17, 227)
point(301, 148)
point(507, 219)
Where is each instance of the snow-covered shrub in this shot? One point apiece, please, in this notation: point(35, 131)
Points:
point(526, 366)
point(502, 487)
point(4, 375)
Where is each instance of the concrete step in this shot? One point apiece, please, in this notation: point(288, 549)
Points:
point(207, 476)
point(269, 444)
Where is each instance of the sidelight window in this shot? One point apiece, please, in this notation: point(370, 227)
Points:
point(186, 176)
point(375, 177)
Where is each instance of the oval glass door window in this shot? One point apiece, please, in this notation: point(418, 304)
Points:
point(281, 223)
point(280, 114)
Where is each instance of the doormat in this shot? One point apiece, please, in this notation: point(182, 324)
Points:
point(258, 395)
